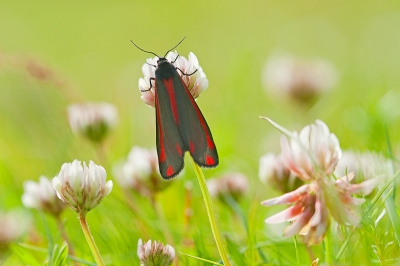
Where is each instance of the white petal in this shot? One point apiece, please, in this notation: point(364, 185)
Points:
point(140, 252)
point(108, 187)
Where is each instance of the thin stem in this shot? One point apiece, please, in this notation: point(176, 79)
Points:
point(49, 237)
point(237, 211)
point(297, 250)
point(64, 235)
point(164, 223)
point(328, 247)
point(210, 212)
point(90, 240)
point(187, 213)
point(101, 152)
point(390, 151)
point(141, 223)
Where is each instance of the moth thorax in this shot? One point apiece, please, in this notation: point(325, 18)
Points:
point(162, 60)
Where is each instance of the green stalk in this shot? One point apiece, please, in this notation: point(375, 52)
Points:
point(297, 250)
point(210, 212)
point(90, 240)
point(328, 247)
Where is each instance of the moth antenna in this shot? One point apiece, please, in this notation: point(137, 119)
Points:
point(175, 46)
point(147, 51)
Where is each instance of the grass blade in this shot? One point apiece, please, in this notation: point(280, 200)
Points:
point(279, 127)
point(374, 200)
point(201, 259)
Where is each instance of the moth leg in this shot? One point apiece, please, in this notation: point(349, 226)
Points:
point(151, 65)
point(151, 85)
point(185, 73)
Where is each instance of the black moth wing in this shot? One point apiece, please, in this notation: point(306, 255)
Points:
point(168, 140)
point(181, 126)
point(194, 130)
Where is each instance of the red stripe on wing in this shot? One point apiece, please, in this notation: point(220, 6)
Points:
point(169, 85)
point(191, 144)
point(178, 149)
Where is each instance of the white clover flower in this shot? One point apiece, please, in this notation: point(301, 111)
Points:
point(155, 254)
point(42, 196)
point(313, 152)
point(82, 187)
point(196, 83)
point(272, 171)
point(12, 226)
point(140, 172)
point(233, 184)
point(312, 156)
point(92, 120)
point(298, 78)
point(343, 206)
point(366, 165)
point(309, 215)
point(312, 203)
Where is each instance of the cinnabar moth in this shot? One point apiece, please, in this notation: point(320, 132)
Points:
point(181, 126)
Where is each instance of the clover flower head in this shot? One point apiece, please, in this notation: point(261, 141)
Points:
point(13, 225)
point(343, 206)
point(297, 78)
point(312, 156)
point(272, 171)
point(313, 152)
point(308, 214)
point(233, 184)
point(92, 120)
point(42, 196)
point(313, 203)
point(80, 186)
point(140, 172)
point(189, 70)
point(366, 165)
point(155, 253)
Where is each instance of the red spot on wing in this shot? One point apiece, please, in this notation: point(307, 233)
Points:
point(179, 150)
point(210, 160)
point(169, 85)
point(191, 147)
point(170, 171)
point(161, 156)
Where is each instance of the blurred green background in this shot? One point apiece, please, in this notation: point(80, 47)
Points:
point(86, 47)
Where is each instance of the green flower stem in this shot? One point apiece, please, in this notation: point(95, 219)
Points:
point(297, 250)
point(328, 247)
point(210, 212)
point(90, 240)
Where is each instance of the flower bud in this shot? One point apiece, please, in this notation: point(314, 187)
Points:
point(299, 79)
point(272, 171)
point(155, 254)
point(12, 226)
point(42, 196)
point(92, 120)
point(312, 153)
point(140, 172)
point(233, 184)
point(82, 187)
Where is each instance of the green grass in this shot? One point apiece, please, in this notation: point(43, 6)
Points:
point(87, 46)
